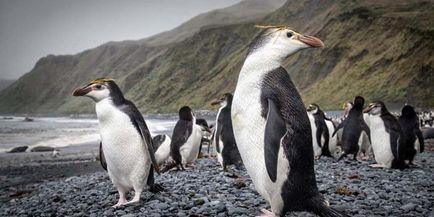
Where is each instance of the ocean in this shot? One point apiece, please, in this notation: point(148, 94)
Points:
point(61, 131)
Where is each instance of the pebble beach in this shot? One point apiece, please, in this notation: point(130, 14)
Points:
point(80, 187)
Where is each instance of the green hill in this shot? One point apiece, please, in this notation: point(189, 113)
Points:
point(380, 50)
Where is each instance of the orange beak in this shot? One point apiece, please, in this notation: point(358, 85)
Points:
point(311, 41)
point(81, 91)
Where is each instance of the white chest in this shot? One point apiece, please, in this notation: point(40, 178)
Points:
point(124, 150)
point(249, 131)
point(190, 149)
point(380, 141)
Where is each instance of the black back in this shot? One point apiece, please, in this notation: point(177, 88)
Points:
point(353, 126)
point(322, 130)
point(392, 127)
point(409, 122)
point(181, 133)
point(225, 133)
point(115, 93)
point(283, 108)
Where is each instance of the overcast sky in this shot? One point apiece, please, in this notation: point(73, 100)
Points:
point(31, 29)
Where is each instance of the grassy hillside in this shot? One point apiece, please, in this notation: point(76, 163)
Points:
point(381, 50)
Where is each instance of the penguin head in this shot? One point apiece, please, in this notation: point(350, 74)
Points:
point(203, 124)
point(313, 108)
point(279, 42)
point(376, 108)
point(99, 89)
point(347, 107)
point(186, 114)
point(408, 112)
point(223, 101)
point(358, 102)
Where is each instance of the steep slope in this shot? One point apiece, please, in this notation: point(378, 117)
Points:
point(5, 83)
point(242, 12)
point(381, 50)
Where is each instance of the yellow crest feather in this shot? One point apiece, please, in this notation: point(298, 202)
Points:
point(101, 80)
point(278, 27)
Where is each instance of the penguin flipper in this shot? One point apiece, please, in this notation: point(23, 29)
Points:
point(139, 123)
point(319, 132)
point(275, 129)
point(102, 157)
point(325, 148)
point(419, 136)
point(218, 133)
point(181, 133)
point(339, 127)
point(365, 128)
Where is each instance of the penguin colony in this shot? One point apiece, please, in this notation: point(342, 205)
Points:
point(263, 126)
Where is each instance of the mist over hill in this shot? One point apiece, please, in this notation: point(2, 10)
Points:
point(377, 49)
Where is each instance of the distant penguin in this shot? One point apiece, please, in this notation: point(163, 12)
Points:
point(186, 138)
point(352, 127)
point(126, 142)
point(322, 128)
point(223, 138)
point(346, 107)
point(206, 132)
point(386, 137)
point(412, 137)
point(271, 126)
point(162, 147)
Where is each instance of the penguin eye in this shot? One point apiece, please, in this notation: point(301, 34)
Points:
point(98, 86)
point(289, 34)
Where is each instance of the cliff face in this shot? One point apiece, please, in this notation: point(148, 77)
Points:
point(380, 50)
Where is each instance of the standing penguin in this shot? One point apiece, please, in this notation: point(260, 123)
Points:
point(224, 140)
point(321, 132)
point(386, 137)
point(353, 126)
point(186, 138)
point(126, 143)
point(271, 126)
point(412, 137)
point(206, 133)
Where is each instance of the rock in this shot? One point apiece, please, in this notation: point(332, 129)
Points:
point(42, 149)
point(18, 149)
point(199, 201)
point(409, 207)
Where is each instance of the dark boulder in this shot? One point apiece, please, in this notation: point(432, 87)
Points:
point(19, 149)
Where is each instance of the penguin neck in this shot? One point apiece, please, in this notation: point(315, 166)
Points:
point(104, 109)
point(258, 64)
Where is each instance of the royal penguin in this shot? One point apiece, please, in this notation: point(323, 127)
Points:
point(161, 144)
point(223, 138)
point(271, 127)
point(353, 126)
point(186, 138)
point(386, 138)
point(412, 137)
point(322, 128)
point(126, 144)
point(206, 134)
